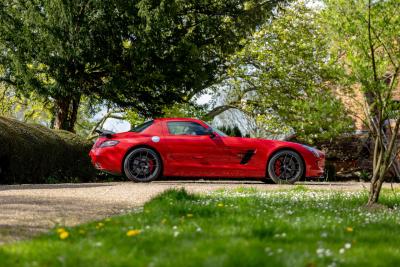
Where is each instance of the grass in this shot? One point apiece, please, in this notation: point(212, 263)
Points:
point(229, 228)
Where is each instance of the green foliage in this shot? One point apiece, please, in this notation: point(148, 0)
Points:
point(134, 118)
point(371, 55)
point(143, 54)
point(183, 46)
point(5, 103)
point(34, 154)
point(283, 77)
point(88, 108)
point(28, 108)
point(177, 110)
point(184, 110)
point(366, 35)
point(59, 49)
point(296, 227)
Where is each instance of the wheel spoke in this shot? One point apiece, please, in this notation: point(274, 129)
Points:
point(143, 164)
point(286, 167)
point(282, 172)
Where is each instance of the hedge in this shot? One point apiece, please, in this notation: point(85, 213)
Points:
point(348, 157)
point(35, 154)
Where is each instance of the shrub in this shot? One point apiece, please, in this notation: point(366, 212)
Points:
point(35, 154)
point(347, 157)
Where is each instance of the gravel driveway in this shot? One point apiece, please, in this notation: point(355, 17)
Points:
point(26, 210)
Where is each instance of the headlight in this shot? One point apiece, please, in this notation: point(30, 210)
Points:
point(109, 143)
point(312, 150)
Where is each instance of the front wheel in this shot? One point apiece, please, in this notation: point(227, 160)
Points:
point(285, 167)
point(142, 165)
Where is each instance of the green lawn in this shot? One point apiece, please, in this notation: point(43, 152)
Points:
point(228, 228)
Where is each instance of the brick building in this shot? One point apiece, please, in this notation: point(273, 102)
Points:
point(355, 105)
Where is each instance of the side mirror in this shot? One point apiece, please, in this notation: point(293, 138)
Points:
point(210, 132)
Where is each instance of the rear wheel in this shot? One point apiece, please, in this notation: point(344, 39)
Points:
point(142, 165)
point(285, 167)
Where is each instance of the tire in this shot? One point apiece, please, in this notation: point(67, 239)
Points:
point(285, 167)
point(142, 165)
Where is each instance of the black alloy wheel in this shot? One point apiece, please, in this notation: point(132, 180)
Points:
point(285, 167)
point(142, 165)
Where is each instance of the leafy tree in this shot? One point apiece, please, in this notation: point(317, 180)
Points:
point(5, 103)
point(134, 118)
point(283, 77)
point(366, 35)
point(185, 110)
point(88, 111)
point(59, 49)
point(178, 110)
point(142, 54)
point(31, 108)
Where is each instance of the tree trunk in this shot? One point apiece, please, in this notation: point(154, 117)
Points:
point(74, 112)
point(384, 155)
point(62, 108)
point(375, 190)
point(218, 110)
point(66, 113)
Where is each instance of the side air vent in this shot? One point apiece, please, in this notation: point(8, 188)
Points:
point(247, 156)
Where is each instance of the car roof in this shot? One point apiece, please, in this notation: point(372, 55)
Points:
point(177, 119)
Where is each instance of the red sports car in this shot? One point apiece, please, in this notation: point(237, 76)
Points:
point(192, 148)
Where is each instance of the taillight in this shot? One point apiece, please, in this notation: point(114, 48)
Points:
point(109, 143)
point(98, 142)
point(321, 163)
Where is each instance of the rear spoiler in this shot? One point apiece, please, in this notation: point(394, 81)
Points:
point(105, 133)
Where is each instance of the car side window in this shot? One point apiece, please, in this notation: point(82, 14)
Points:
point(185, 128)
point(142, 127)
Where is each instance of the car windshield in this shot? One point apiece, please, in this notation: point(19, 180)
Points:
point(220, 133)
point(142, 127)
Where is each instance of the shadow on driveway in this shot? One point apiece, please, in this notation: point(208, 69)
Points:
point(52, 186)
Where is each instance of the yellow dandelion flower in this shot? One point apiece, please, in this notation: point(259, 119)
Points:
point(60, 230)
point(189, 215)
point(63, 235)
point(133, 232)
point(349, 229)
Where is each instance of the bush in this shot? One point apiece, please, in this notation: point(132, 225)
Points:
point(347, 157)
point(35, 154)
